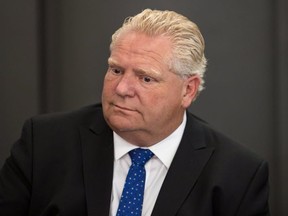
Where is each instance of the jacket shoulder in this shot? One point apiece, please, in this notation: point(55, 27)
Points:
point(82, 116)
point(224, 145)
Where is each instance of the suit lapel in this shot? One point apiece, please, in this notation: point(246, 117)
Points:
point(98, 155)
point(188, 162)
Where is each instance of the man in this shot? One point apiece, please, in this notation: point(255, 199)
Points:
point(76, 163)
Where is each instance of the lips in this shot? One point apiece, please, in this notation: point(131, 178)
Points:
point(123, 108)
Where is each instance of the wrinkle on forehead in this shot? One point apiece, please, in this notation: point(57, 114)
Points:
point(126, 43)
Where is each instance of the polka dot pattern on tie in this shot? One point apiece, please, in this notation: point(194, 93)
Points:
point(132, 195)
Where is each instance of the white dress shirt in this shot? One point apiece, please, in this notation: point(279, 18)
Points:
point(156, 168)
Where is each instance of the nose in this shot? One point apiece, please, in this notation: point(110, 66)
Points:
point(126, 85)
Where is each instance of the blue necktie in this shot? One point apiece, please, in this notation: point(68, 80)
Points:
point(132, 195)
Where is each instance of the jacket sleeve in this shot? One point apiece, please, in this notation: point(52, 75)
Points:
point(16, 176)
point(255, 200)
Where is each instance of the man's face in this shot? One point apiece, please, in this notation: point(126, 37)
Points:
point(142, 100)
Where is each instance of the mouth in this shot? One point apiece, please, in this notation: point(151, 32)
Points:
point(123, 108)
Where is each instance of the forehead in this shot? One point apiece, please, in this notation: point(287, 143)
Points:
point(139, 45)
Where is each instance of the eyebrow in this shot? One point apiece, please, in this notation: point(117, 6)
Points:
point(148, 72)
point(140, 71)
point(112, 62)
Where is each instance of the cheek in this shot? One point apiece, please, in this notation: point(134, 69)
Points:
point(104, 92)
point(152, 98)
point(108, 86)
point(154, 104)
point(107, 94)
point(165, 96)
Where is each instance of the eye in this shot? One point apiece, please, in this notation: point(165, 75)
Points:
point(147, 79)
point(115, 71)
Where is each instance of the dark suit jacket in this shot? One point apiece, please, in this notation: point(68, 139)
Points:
point(63, 165)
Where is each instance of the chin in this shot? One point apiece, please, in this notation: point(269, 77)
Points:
point(119, 124)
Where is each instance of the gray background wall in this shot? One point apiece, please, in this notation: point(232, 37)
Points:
point(53, 57)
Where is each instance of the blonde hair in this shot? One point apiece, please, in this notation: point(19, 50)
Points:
point(187, 58)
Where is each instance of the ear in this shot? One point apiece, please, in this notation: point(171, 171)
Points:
point(190, 90)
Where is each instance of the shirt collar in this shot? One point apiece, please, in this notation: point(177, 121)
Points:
point(164, 150)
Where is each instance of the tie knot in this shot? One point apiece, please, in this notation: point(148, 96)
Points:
point(140, 156)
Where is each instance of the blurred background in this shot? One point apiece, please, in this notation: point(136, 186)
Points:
point(53, 57)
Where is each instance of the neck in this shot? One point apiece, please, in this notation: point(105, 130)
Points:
point(146, 138)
